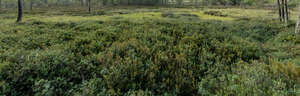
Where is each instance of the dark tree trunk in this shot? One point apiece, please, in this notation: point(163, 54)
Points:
point(286, 11)
point(0, 3)
point(279, 10)
point(89, 5)
point(20, 11)
point(283, 10)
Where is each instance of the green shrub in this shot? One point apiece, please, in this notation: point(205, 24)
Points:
point(153, 57)
point(215, 13)
point(44, 72)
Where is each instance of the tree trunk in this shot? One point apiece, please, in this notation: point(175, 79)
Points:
point(89, 5)
point(282, 10)
point(286, 11)
point(0, 3)
point(20, 11)
point(279, 10)
point(298, 23)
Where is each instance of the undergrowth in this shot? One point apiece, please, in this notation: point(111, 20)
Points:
point(153, 57)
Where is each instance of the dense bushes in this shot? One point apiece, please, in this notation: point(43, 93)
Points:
point(149, 58)
point(34, 72)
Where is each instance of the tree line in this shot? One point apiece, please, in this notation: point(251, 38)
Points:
point(282, 5)
point(31, 3)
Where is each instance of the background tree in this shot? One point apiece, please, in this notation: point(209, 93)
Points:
point(89, 5)
point(298, 23)
point(286, 11)
point(0, 3)
point(279, 10)
point(20, 11)
point(64, 3)
point(283, 12)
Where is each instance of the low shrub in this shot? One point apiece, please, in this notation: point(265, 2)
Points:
point(120, 57)
point(215, 13)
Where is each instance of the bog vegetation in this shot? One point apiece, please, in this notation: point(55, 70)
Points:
point(148, 51)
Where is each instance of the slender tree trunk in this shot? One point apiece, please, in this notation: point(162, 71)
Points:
point(0, 3)
point(282, 10)
point(286, 11)
point(20, 11)
point(298, 23)
point(89, 5)
point(279, 10)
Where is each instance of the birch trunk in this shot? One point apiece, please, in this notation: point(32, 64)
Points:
point(298, 23)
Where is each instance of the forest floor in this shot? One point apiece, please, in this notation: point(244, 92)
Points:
point(198, 41)
point(140, 14)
